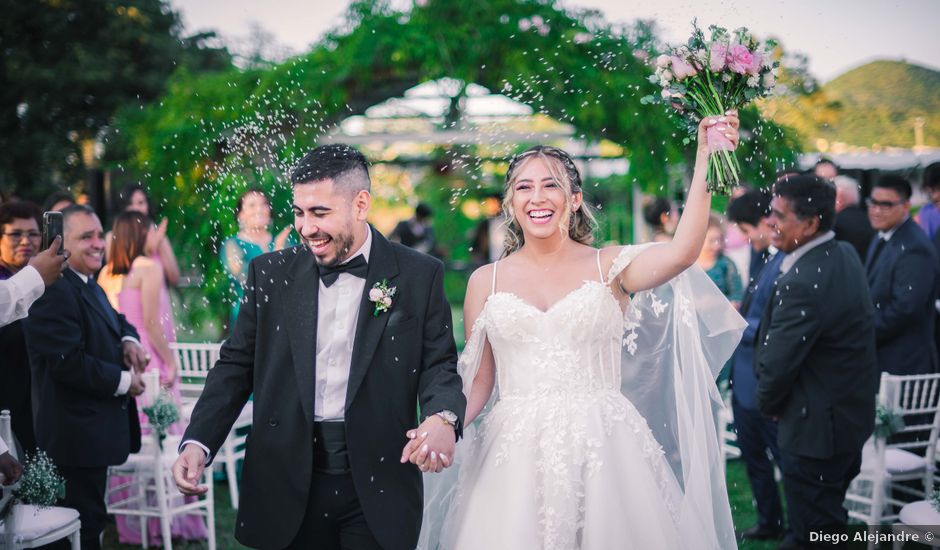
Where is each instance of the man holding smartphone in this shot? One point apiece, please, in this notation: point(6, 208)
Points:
point(19, 292)
point(86, 365)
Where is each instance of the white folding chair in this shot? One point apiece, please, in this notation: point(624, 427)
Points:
point(729, 438)
point(150, 491)
point(886, 466)
point(28, 526)
point(195, 360)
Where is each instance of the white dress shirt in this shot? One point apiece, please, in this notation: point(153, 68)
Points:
point(337, 312)
point(18, 293)
point(795, 255)
point(125, 382)
point(3, 446)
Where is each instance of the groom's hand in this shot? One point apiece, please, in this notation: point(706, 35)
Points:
point(431, 446)
point(187, 470)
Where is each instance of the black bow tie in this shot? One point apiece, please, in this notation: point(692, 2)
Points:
point(357, 266)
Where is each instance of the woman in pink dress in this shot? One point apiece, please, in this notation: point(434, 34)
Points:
point(145, 302)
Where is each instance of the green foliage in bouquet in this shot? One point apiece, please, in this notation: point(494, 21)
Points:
point(707, 78)
point(41, 485)
point(887, 422)
point(161, 415)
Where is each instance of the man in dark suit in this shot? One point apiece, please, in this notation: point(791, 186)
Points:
point(815, 358)
point(903, 274)
point(852, 225)
point(756, 434)
point(86, 363)
point(339, 340)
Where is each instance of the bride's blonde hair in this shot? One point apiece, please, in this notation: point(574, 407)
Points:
point(581, 223)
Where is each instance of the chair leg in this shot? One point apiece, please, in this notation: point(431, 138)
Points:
point(231, 471)
point(210, 511)
point(75, 540)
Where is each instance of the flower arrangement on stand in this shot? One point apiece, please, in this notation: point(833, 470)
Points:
point(161, 414)
point(707, 78)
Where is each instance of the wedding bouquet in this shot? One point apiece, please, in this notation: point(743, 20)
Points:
point(41, 485)
point(161, 414)
point(706, 78)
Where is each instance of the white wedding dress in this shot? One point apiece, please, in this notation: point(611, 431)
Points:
point(563, 459)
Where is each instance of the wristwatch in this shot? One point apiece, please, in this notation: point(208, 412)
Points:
point(449, 418)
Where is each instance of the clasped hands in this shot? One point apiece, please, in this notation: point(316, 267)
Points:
point(431, 445)
point(135, 359)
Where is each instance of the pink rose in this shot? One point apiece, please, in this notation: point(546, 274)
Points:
point(681, 69)
point(663, 61)
point(756, 62)
point(740, 58)
point(387, 302)
point(719, 57)
point(375, 294)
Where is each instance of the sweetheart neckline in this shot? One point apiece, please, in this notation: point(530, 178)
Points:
point(557, 302)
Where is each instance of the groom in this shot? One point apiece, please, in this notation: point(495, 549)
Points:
point(337, 375)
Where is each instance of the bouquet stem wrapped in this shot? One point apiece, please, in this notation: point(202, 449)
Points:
point(706, 78)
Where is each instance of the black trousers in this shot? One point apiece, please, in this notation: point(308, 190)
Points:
point(815, 490)
point(84, 491)
point(334, 519)
point(757, 435)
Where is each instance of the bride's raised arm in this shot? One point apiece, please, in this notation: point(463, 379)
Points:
point(482, 368)
point(660, 263)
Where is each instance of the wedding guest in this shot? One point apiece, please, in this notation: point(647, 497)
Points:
point(719, 268)
point(852, 225)
point(815, 359)
point(133, 197)
point(58, 201)
point(757, 434)
point(144, 301)
point(253, 213)
point(417, 232)
point(20, 240)
point(659, 216)
point(826, 169)
point(489, 237)
point(86, 360)
point(19, 292)
point(929, 215)
point(903, 275)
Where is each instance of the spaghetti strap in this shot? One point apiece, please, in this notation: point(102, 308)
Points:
point(493, 289)
point(599, 270)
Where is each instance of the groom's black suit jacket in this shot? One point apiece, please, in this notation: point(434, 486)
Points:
point(815, 354)
point(402, 358)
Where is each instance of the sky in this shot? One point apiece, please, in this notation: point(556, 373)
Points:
point(836, 35)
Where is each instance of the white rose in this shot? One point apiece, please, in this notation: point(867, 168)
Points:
point(663, 61)
point(769, 80)
point(753, 81)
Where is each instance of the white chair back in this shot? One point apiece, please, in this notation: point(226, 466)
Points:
point(194, 360)
point(6, 432)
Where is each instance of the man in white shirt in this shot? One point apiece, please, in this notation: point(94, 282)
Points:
point(815, 359)
point(20, 291)
point(340, 341)
point(86, 364)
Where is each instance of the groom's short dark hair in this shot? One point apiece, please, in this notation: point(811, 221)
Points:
point(347, 167)
point(810, 197)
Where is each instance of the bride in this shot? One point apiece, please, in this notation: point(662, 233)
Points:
point(600, 365)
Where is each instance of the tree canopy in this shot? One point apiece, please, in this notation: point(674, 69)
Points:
point(210, 136)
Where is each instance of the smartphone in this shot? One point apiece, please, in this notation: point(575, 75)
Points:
point(51, 228)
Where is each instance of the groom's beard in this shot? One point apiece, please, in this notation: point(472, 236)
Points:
point(341, 246)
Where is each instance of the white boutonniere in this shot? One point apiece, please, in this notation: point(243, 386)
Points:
point(381, 295)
